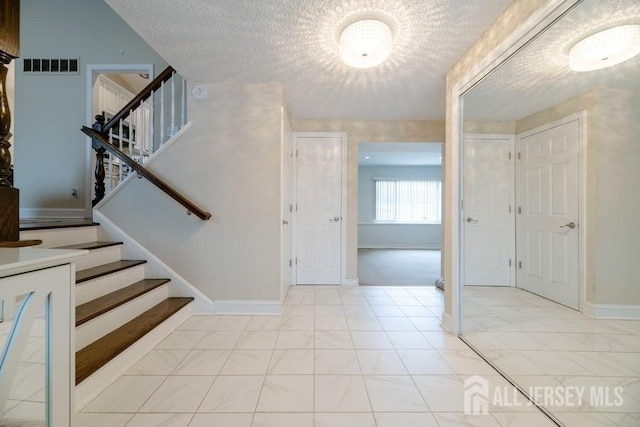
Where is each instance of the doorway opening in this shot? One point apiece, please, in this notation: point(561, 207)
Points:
point(399, 213)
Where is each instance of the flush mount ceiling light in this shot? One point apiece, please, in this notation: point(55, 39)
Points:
point(365, 43)
point(606, 48)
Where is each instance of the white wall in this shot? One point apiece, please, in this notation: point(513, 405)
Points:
point(407, 236)
point(50, 151)
point(228, 162)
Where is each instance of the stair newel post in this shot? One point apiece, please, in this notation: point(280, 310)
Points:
point(99, 171)
point(9, 50)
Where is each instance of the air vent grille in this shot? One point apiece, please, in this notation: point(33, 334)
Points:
point(51, 66)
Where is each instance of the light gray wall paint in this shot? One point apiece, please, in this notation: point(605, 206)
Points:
point(392, 235)
point(229, 163)
point(50, 151)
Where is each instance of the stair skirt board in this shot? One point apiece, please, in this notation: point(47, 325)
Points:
point(95, 288)
point(54, 237)
point(99, 256)
point(96, 328)
point(97, 382)
point(241, 307)
point(155, 266)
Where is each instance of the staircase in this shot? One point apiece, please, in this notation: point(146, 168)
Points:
point(121, 313)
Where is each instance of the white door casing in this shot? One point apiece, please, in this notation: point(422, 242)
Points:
point(319, 209)
point(488, 201)
point(548, 192)
point(286, 207)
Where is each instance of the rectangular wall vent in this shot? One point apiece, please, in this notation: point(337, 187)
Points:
point(55, 66)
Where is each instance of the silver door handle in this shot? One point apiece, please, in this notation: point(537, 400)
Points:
point(334, 219)
point(469, 219)
point(285, 222)
point(570, 225)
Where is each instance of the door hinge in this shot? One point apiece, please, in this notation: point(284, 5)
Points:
point(509, 208)
point(296, 153)
point(509, 262)
point(462, 204)
point(296, 260)
point(290, 153)
point(519, 210)
point(290, 263)
point(520, 265)
point(290, 208)
point(296, 207)
point(509, 155)
point(519, 156)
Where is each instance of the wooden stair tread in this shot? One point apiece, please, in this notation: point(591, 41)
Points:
point(90, 245)
point(100, 352)
point(45, 224)
point(104, 269)
point(103, 304)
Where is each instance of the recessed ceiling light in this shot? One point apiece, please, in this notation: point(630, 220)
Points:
point(365, 43)
point(606, 48)
point(367, 157)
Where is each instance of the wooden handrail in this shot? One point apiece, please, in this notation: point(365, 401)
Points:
point(103, 139)
point(141, 97)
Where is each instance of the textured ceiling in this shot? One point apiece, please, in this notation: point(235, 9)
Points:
point(294, 42)
point(399, 153)
point(539, 76)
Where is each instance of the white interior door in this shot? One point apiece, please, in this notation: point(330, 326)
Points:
point(489, 225)
point(287, 206)
point(548, 199)
point(318, 210)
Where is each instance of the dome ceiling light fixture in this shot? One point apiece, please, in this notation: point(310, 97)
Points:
point(365, 43)
point(605, 48)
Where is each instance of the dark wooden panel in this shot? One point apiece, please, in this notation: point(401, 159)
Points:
point(90, 245)
point(103, 270)
point(46, 224)
point(9, 30)
point(100, 352)
point(98, 306)
point(9, 214)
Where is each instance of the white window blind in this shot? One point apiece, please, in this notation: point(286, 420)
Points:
point(408, 201)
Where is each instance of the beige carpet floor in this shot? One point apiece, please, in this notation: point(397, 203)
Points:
point(399, 267)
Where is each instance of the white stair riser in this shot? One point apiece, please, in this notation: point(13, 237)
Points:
point(90, 388)
point(62, 236)
point(100, 326)
point(100, 256)
point(92, 289)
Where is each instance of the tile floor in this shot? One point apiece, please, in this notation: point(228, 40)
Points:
point(337, 357)
point(541, 343)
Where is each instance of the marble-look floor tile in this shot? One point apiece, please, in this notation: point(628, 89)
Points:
point(257, 340)
point(443, 393)
point(424, 362)
point(297, 323)
point(463, 420)
point(287, 393)
point(341, 393)
point(331, 323)
point(466, 362)
point(336, 362)
point(226, 420)
point(586, 419)
point(345, 420)
point(336, 340)
point(397, 324)
point(158, 362)
point(363, 324)
point(164, 420)
point(102, 420)
point(266, 419)
point(292, 362)
point(247, 362)
point(178, 394)
point(202, 362)
point(404, 419)
point(295, 340)
point(233, 394)
point(126, 394)
point(408, 340)
point(394, 393)
point(380, 362)
point(264, 323)
point(219, 340)
point(371, 340)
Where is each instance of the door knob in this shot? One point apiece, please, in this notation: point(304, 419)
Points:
point(570, 225)
point(471, 220)
point(334, 219)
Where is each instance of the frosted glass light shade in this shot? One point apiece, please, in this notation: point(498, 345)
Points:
point(365, 43)
point(606, 48)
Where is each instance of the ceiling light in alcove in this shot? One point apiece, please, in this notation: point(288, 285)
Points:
point(606, 48)
point(367, 157)
point(365, 43)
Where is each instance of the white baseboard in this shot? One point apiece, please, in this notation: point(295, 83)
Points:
point(350, 282)
point(243, 307)
point(447, 322)
point(418, 247)
point(32, 213)
point(612, 311)
point(179, 286)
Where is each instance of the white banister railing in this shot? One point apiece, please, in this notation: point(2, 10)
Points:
point(142, 127)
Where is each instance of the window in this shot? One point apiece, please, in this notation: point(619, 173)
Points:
point(408, 201)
